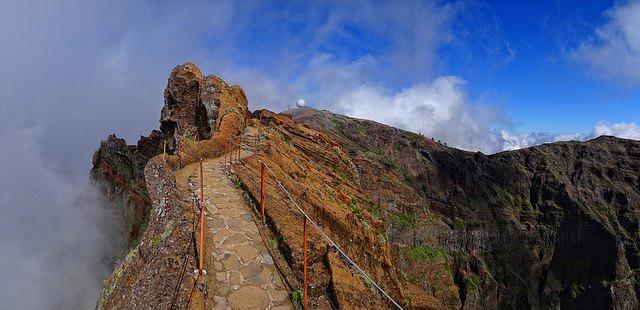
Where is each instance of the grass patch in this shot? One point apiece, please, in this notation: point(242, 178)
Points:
point(187, 138)
point(297, 296)
point(424, 253)
point(353, 206)
point(377, 211)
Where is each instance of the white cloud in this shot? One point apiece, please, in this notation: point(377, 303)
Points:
point(514, 140)
point(442, 109)
point(620, 130)
point(614, 48)
point(57, 237)
point(439, 108)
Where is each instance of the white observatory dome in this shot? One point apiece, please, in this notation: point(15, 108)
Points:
point(300, 103)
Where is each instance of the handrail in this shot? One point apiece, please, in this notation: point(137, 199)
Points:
point(229, 150)
point(333, 243)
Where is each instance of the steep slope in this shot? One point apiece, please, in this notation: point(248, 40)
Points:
point(554, 225)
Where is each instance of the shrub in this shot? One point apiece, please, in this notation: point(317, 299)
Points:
point(297, 296)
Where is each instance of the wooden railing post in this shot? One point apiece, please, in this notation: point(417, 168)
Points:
point(164, 150)
point(262, 189)
point(201, 252)
point(304, 249)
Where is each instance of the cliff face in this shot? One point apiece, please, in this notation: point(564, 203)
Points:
point(119, 168)
point(548, 226)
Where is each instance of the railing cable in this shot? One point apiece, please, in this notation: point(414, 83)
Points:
point(335, 245)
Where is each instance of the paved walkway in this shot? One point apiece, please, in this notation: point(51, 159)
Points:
point(244, 271)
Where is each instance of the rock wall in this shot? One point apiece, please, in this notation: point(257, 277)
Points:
point(550, 226)
point(156, 274)
point(119, 169)
point(197, 110)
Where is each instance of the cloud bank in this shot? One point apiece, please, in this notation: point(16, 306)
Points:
point(442, 109)
point(58, 238)
point(621, 130)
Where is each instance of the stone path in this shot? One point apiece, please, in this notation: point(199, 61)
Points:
point(244, 271)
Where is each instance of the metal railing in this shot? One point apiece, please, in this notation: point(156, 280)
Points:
point(232, 152)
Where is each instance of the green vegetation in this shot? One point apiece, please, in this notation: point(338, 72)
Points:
point(409, 218)
point(273, 243)
point(383, 237)
point(237, 183)
point(297, 296)
point(353, 206)
point(155, 241)
point(367, 283)
point(472, 283)
point(425, 253)
point(110, 284)
point(457, 223)
point(187, 138)
point(377, 211)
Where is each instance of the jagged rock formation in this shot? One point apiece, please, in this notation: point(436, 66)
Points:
point(159, 223)
point(119, 168)
point(196, 107)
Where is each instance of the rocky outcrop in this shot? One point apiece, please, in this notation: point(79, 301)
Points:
point(119, 169)
point(204, 115)
point(154, 274)
point(196, 107)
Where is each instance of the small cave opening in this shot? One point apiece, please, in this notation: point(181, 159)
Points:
point(202, 122)
point(168, 129)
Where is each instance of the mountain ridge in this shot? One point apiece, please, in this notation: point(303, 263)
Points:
point(555, 225)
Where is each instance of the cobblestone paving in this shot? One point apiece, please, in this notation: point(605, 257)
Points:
point(244, 271)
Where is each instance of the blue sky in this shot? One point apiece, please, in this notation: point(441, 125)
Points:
point(535, 72)
point(535, 69)
point(544, 88)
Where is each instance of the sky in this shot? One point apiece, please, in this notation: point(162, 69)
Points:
point(480, 75)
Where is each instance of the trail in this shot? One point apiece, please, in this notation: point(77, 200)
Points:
point(241, 272)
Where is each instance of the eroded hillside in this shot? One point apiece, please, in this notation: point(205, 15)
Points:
point(553, 225)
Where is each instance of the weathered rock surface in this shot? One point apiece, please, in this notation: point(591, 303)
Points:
point(155, 274)
point(196, 107)
point(550, 226)
point(119, 169)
